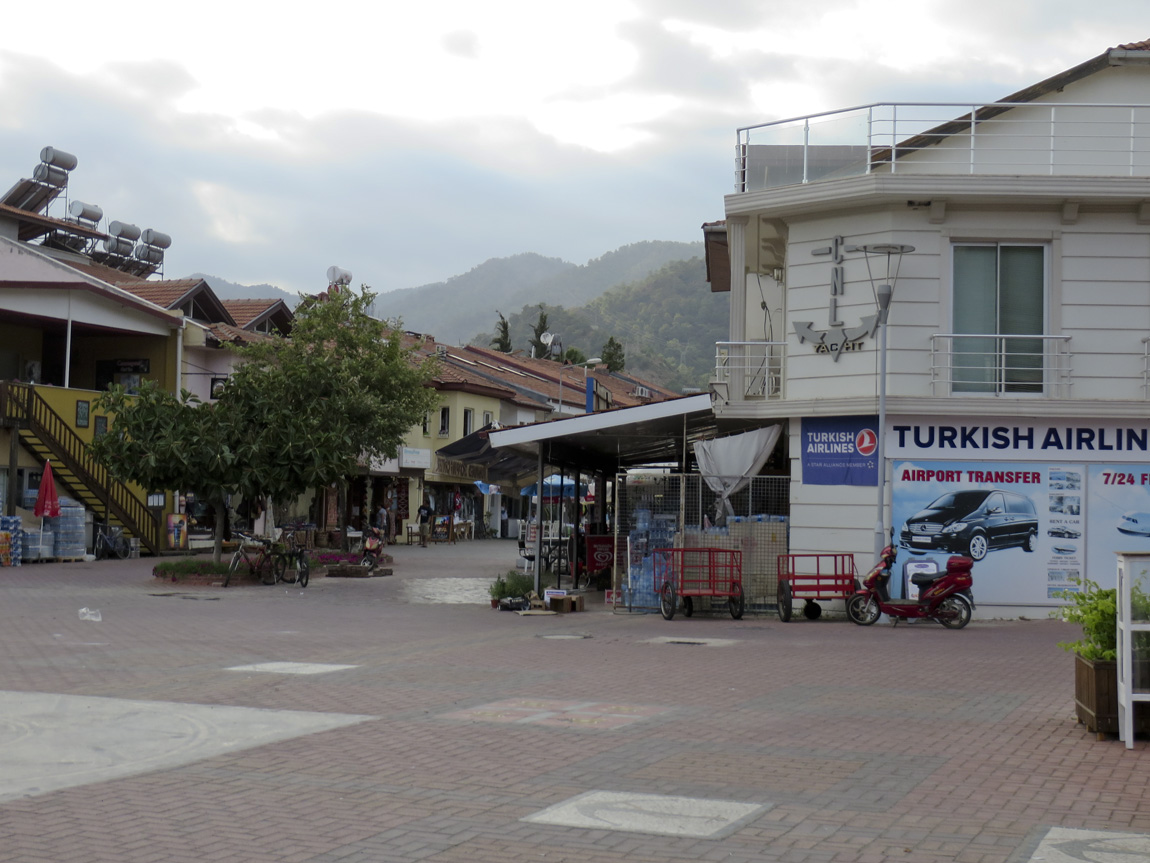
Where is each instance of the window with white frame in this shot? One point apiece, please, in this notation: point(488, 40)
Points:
point(444, 422)
point(427, 422)
point(488, 418)
point(999, 298)
point(468, 421)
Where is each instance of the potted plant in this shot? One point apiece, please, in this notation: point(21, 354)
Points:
point(513, 584)
point(1096, 657)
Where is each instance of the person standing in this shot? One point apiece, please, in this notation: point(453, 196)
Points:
point(391, 504)
point(424, 516)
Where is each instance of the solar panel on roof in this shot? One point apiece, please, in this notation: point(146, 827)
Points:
point(30, 196)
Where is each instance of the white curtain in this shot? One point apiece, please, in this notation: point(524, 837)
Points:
point(727, 464)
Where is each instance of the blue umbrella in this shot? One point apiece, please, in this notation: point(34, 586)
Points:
point(552, 486)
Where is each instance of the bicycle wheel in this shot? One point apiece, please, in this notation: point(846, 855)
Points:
point(303, 570)
point(667, 601)
point(121, 547)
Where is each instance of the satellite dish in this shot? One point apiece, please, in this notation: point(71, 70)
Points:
point(547, 338)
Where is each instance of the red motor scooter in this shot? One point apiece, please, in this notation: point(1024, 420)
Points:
point(943, 596)
point(373, 543)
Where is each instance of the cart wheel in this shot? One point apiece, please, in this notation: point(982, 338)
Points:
point(812, 610)
point(688, 606)
point(737, 604)
point(667, 601)
point(783, 596)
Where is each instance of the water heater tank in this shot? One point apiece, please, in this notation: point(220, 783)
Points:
point(149, 254)
point(124, 229)
point(156, 238)
point(338, 276)
point(52, 156)
point(87, 212)
point(118, 246)
point(50, 175)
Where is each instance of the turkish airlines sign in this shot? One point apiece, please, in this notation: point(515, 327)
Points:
point(840, 450)
point(998, 439)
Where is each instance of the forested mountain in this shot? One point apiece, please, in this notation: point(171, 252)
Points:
point(453, 310)
point(226, 290)
point(668, 323)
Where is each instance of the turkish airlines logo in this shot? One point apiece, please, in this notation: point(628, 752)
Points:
point(866, 442)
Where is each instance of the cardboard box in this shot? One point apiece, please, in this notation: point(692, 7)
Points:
point(566, 604)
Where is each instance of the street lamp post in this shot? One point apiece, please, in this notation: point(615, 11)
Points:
point(591, 362)
point(883, 293)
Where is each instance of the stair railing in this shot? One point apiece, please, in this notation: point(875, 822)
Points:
point(21, 403)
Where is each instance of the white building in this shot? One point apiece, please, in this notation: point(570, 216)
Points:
point(1017, 363)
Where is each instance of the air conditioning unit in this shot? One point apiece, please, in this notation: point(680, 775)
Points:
point(642, 392)
point(441, 351)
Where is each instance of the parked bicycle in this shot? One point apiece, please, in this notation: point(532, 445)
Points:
point(110, 542)
point(292, 559)
point(256, 553)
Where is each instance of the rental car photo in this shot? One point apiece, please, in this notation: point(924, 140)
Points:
point(973, 523)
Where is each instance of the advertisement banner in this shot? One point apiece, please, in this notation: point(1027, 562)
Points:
point(1022, 523)
point(1002, 439)
point(1119, 505)
point(839, 450)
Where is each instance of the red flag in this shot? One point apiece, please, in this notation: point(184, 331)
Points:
point(47, 504)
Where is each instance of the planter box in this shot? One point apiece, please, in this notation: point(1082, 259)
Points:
point(1096, 695)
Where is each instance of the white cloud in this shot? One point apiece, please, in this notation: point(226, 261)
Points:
point(410, 142)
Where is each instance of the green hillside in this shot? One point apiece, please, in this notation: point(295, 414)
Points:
point(667, 322)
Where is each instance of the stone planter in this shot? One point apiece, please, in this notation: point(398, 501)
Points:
point(1096, 694)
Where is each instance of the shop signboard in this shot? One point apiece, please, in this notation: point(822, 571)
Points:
point(840, 450)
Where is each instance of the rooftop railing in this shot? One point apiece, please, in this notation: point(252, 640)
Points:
point(1044, 138)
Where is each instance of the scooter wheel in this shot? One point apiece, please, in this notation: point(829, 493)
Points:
point(953, 612)
point(862, 609)
point(368, 561)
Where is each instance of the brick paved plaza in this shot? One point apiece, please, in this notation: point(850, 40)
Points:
point(408, 721)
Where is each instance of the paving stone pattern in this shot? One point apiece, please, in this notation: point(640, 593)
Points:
point(837, 743)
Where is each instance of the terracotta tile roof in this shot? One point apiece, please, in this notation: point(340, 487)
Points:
point(227, 333)
point(108, 274)
point(1144, 45)
point(243, 312)
point(164, 293)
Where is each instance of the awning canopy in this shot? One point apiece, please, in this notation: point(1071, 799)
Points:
point(612, 441)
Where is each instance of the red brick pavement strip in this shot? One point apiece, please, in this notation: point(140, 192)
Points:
point(912, 743)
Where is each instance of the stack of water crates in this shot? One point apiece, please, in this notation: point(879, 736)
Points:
point(39, 543)
point(11, 540)
point(70, 541)
point(650, 532)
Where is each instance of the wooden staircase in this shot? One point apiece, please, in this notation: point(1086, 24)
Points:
point(45, 434)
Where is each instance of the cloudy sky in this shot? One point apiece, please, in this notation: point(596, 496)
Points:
point(408, 142)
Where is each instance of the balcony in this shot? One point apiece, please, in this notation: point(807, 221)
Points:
point(1033, 138)
point(1000, 365)
point(750, 371)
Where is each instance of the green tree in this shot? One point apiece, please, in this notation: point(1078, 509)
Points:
point(166, 441)
point(538, 329)
point(502, 340)
point(298, 413)
point(612, 354)
point(574, 355)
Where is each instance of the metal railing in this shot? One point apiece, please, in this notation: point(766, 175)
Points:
point(1010, 365)
point(1070, 138)
point(22, 406)
point(751, 370)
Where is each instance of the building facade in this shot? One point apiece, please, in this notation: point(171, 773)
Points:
point(1001, 411)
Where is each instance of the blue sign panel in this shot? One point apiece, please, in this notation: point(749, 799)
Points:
point(840, 450)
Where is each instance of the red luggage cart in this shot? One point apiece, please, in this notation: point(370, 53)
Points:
point(811, 577)
point(689, 572)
